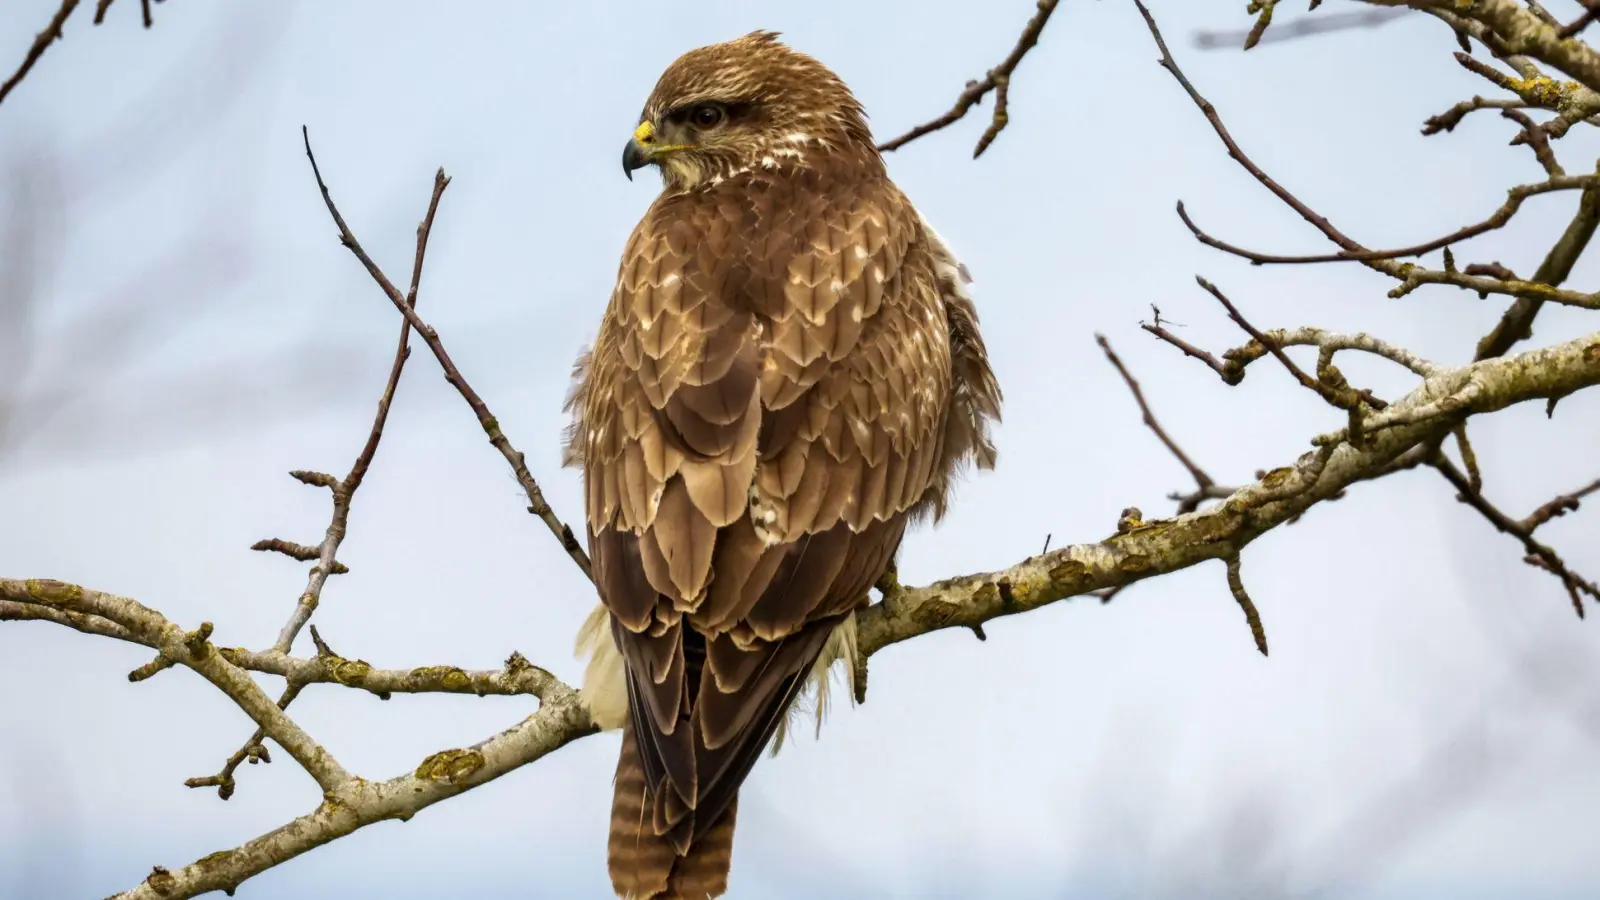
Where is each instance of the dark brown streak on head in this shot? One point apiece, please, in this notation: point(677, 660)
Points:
point(774, 108)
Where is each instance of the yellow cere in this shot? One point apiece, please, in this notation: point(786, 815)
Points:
point(645, 136)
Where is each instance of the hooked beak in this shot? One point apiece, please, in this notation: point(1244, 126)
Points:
point(639, 151)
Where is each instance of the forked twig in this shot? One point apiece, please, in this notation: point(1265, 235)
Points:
point(491, 426)
point(997, 79)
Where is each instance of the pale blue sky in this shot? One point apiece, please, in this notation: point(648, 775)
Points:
point(199, 331)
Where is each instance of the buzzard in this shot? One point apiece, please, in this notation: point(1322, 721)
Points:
point(788, 374)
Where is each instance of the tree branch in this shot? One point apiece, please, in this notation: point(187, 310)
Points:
point(517, 677)
point(1161, 547)
point(486, 419)
point(1410, 275)
point(1539, 554)
point(1517, 322)
point(1591, 11)
point(192, 649)
point(1242, 597)
point(1144, 550)
point(52, 33)
point(1519, 31)
point(997, 79)
point(41, 43)
point(1205, 487)
point(1384, 438)
point(1560, 506)
point(343, 491)
point(1495, 220)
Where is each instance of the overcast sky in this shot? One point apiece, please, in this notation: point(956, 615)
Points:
point(183, 328)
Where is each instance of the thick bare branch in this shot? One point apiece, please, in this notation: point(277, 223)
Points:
point(560, 720)
point(516, 677)
point(1144, 550)
point(1217, 532)
point(192, 649)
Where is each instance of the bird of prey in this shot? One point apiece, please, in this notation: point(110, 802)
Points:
point(789, 372)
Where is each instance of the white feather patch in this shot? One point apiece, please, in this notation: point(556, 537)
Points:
point(814, 698)
point(605, 688)
point(947, 267)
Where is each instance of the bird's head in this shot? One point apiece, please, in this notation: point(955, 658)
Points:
point(746, 104)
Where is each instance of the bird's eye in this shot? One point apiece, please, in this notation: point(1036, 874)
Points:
point(706, 115)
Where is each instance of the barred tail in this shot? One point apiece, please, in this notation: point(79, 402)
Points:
point(645, 865)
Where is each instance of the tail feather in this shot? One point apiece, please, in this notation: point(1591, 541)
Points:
point(704, 872)
point(644, 865)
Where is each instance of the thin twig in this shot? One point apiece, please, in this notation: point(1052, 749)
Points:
point(1203, 482)
point(41, 43)
point(1560, 506)
point(491, 426)
point(1534, 135)
point(997, 79)
point(1469, 457)
point(1450, 118)
point(1410, 275)
point(1344, 397)
point(253, 750)
point(1591, 12)
point(1328, 343)
point(1517, 322)
point(1210, 112)
point(343, 492)
point(1189, 502)
point(1188, 349)
point(1251, 616)
point(1539, 554)
point(1498, 219)
point(299, 552)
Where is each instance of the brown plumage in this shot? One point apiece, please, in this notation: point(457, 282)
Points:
point(788, 374)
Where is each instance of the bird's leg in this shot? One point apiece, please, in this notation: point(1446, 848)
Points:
point(889, 586)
